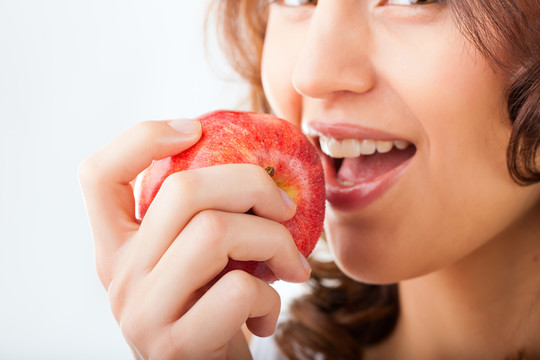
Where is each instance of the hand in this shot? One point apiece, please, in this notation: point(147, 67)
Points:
point(160, 273)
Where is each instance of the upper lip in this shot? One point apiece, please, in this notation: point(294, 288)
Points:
point(342, 130)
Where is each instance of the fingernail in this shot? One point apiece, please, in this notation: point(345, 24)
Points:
point(287, 199)
point(305, 263)
point(185, 126)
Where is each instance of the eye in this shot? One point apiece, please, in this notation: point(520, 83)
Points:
point(411, 2)
point(294, 2)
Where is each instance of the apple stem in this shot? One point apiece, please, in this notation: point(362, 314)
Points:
point(270, 170)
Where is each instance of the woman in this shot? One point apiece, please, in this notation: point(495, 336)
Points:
point(427, 117)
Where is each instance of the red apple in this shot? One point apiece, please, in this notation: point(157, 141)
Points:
point(252, 138)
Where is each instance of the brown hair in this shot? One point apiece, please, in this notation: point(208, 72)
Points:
point(507, 33)
point(241, 30)
point(340, 316)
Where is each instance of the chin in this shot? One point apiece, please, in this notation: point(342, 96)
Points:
point(377, 258)
point(368, 273)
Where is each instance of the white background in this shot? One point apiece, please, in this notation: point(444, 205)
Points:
point(74, 74)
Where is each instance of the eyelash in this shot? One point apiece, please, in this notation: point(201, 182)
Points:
point(412, 2)
point(294, 3)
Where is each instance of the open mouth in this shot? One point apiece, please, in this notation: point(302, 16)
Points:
point(356, 161)
point(360, 164)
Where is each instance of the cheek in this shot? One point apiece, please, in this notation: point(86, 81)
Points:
point(458, 102)
point(281, 48)
point(456, 98)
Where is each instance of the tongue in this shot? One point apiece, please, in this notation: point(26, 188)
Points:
point(366, 167)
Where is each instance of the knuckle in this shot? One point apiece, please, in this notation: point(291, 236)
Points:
point(132, 314)
point(138, 324)
point(241, 286)
point(147, 130)
point(259, 193)
point(88, 171)
point(133, 326)
point(91, 171)
point(285, 242)
point(117, 294)
point(173, 347)
point(182, 184)
point(289, 238)
point(283, 233)
point(213, 224)
point(253, 174)
point(120, 289)
point(103, 270)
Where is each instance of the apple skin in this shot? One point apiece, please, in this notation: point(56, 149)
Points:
point(230, 137)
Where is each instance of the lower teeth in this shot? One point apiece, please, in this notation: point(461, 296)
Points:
point(345, 182)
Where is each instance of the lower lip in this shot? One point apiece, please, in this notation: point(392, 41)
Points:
point(360, 195)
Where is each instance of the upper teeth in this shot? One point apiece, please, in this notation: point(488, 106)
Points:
point(347, 148)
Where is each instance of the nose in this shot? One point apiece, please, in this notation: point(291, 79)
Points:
point(335, 57)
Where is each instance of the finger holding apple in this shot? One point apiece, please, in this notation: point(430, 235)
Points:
point(178, 295)
point(202, 249)
point(273, 144)
point(188, 196)
point(155, 303)
point(149, 266)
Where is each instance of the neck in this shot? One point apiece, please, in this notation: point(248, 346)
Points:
point(487, 306)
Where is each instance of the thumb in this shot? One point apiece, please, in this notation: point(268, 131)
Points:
point(106, 176)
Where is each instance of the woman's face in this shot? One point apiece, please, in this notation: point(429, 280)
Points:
point(359, 75)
